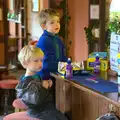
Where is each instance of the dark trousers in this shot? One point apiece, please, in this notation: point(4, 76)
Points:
point(53, 91)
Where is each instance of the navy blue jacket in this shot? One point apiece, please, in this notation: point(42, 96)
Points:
point(54, 51)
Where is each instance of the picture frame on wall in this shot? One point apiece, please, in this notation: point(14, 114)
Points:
point(35, 5)
point(94, 11)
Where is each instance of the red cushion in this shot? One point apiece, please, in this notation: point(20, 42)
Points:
point(19, 116)
point(8, 84)
point(19, 104)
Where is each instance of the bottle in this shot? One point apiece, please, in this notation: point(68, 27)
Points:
point(97, 64)
point(69, 69)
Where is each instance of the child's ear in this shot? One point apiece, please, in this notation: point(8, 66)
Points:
point(43, 26)
point(25, 64)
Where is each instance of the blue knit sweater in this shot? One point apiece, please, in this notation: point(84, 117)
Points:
point(54, 51)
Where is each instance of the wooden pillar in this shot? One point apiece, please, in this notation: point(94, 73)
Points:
point(102, 25)
point(24, 22)
point(44, 4)
point(5, 29)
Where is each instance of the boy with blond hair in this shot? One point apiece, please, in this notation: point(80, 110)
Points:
point(50, 43)
point(32, 90)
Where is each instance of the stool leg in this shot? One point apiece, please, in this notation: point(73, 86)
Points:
point(6, 102)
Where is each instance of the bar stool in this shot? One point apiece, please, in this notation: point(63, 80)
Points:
point(18, 104)
point(6, 85)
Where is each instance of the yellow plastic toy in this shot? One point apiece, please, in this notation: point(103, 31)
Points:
point(103, 65)
point(90, 63)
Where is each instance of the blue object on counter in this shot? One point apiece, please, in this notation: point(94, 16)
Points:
point(101, 85)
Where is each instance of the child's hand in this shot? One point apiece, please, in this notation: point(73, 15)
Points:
point(50, 83)
point(45, 84)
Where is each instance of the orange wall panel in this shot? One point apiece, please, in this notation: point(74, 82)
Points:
point(2, 59)
point(12, 28)
point(78, 10)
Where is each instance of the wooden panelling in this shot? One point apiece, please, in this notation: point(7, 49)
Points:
point(2, 59)
point(58, 94)
point(98, 23)
point(62, 96)
point(76, 104)
point(1, 27)
point(3, 32)
point(102, 25)
point(68, 99)
point(104, 105)
point(82, 103)
point(1, 38)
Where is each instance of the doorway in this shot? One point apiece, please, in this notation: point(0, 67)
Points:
point(114, 16)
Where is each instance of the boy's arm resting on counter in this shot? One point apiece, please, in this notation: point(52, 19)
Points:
point(33, 94)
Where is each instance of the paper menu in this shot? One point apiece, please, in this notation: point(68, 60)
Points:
point(114, 49)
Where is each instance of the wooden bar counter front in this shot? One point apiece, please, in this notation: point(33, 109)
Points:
point(81, 103)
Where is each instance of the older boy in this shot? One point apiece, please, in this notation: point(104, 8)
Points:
point(50, 43)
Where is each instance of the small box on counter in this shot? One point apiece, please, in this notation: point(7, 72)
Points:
point(92, 57)
point(75, 65)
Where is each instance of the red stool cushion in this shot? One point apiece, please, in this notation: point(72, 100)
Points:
point(19, 104)
point(8, 84)
point(19, 116)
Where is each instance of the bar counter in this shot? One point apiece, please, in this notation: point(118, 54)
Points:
point(82, 103)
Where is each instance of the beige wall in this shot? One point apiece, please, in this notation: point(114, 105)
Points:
point(78, 10)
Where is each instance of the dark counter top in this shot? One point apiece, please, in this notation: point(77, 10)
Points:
point(114, 96)
point(115, 79)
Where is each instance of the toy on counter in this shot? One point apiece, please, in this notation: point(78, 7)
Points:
point(90, 63)
point(103, 65)
point(69, 69)
point(92, 58)
point(76, 66)
point(97, 64)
